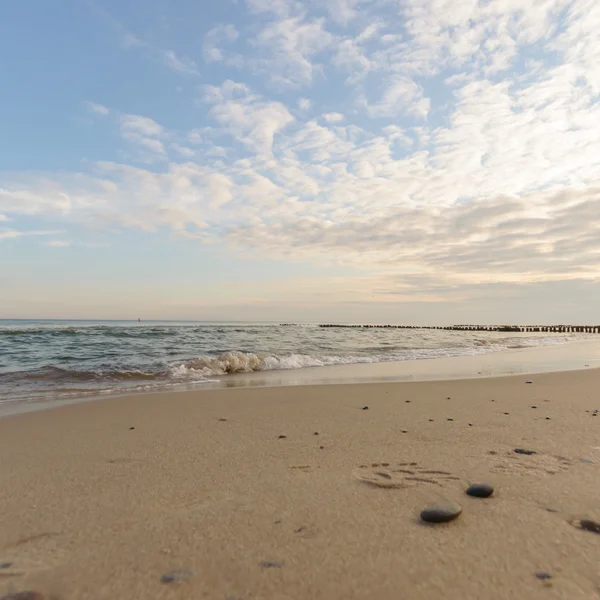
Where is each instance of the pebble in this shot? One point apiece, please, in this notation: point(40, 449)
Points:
point(507, 413)
point(131, 428)
point(5, 565)
point(441, 513)
point(179, 576)
point(268, 564)
point(470, 424)
point(321, 447)
point(316, 433)
point(588, 525)
point(583, 460)
point(404, 431)
point(449, 419)
point(282, 437)
point(529, 382)
point(547, 418)
point(222, 419)
point(533, 406)
point(365, 407)
point(448, 398)
point(543, 575)
point(29, 595)
point(431, 420)
point(480, 490)
point(407, 401)
point(523, 451)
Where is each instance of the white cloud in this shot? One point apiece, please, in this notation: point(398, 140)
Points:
point(288, 46)
point(304, 104)
point(58, 244)
point(218, 35)
point(98, 109)
point(180, 64)
point(333, 117)
point(402, 97)
point(9, 234)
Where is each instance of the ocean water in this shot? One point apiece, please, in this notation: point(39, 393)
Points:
point(61, 359)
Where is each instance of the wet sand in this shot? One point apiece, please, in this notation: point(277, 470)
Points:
point(198, 495)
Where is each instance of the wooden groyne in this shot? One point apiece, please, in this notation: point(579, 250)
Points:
point(503, 328)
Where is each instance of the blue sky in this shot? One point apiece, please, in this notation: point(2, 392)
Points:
point(423, 160)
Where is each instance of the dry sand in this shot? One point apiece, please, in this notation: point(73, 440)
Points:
point(90, 508)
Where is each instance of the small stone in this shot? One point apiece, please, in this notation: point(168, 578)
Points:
point(316, 433)
point(547, 418)
point(268, 564)
point(480, 490)
point(282, 437)
point(300, 529)
point(365, 407)
point(543, 575)
point(588, 525)
point(179, 576)
point(583, 460)
point(529, 382)
point(448, 398)
point(407, 401)
point(131, 428)
point(594, 414)
point(507, 413)
point(431, 420)
point(5, 565)
point(441, 513)
point(470, 424)
point(533, 406)
point(449, 419)
point(276, 522)
point(28, 595)
point(222, 420)
point(404, 431)
point(523, 451)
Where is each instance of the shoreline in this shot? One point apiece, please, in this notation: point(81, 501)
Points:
point(569, 356)
point(298, 493)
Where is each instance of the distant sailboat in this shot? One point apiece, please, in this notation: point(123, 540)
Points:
point(139, 320)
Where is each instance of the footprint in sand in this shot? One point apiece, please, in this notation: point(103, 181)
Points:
point(532, 465)
point(32, 554)
point(401, 475)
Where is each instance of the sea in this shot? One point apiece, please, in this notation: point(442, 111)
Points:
point(44, 360)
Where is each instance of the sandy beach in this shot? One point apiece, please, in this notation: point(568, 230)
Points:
point(199, 495)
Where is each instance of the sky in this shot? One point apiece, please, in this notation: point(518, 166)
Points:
point(407, 161)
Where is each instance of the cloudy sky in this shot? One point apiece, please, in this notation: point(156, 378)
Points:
point(332, 160)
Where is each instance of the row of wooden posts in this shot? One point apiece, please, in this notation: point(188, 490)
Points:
point(505, 328)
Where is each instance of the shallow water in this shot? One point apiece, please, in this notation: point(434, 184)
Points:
point(61, 359)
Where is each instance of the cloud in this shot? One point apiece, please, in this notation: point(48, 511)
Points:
point(180, 64)
point(144, 134)
point(402, 97)
point(58, 244)
point(221, 34)
point(333, 117)
point(9, 234)
point(98, 109)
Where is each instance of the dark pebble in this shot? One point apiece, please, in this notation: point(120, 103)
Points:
point(300, 529)
point(449, 419)
point(470, 424)
point(365, 408)
point(529, 382)
point(267, 564)
point(543, 575)
point(507, 413)
point(588, 525)
point(321, 447)
point(523, 451)
point(316, 433)
point(448, 398)
point(441, 513)
point(276, 522)
point(131, 428)
point(5, 565)
point(282, 437)
point(480, 490)
point(547, 418)
point(29, 595)
point(222, 419)
point(533, 406)
point(404, 431)
point(594, 414)
point(180, 576)
point(431, 420)
point(407, 401)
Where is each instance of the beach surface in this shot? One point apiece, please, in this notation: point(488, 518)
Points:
point(301, 493)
